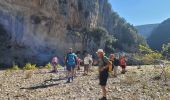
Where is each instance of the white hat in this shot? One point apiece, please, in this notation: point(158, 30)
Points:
point(100, 50)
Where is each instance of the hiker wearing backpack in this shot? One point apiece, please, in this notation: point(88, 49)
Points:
point(54, 63)
point(116, 63)
point(123, 64)
point(71, 62)
point(87, 62)
point(103, 64)
point(111, 59)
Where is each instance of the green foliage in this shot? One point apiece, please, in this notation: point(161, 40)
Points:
point(29, 66)
point(15, 67)
point(145, 50)
point(99, 33)
point(126, 34)
point(149, 52)
point(48, 66)
point(154, 55)
point(110, 42)
point(96, 34)
point(166, 50)
point(160, 35)
point(148, 55)
point(59, 66)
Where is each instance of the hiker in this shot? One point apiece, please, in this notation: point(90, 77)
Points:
point(71, 62)
point(116, 64)
point(123, 64)
point(91, 62)
point(103, 64)
point(87, 62)
point(54, 63)
point(111, 59)
point(78, 63)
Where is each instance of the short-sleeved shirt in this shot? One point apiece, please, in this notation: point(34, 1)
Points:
point(71, 59)
point(103, 61)
point(87, 60)
point(116, 62)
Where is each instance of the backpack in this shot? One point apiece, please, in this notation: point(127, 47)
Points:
point(71, 59)
point(122, 61)
point(110, 65)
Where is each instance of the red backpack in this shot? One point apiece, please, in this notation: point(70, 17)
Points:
point(122, 61)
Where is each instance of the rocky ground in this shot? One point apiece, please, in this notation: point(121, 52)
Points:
point(136, 84)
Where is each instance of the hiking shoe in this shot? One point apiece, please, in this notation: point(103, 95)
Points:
point(103, 98)
point(72, 78)
point(68, 81)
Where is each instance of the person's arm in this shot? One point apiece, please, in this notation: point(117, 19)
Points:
point(66, 58)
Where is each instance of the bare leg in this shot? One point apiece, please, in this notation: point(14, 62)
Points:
point(87, 69)
point(115, 71)
point(104, 90)
point(84, 69)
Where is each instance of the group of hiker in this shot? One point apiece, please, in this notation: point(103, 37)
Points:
point(105, 64)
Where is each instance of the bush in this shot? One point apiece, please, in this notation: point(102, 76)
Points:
point(48, 66)
point(59, 66)
point(29, 66)
point(15, 67)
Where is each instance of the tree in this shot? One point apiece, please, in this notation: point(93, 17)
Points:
point(166, 50)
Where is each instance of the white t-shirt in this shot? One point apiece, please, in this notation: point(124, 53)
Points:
point(87, 60)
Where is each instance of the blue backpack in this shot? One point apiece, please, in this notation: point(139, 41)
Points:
point(71, 59)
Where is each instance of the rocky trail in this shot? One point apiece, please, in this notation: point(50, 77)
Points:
point(136, 84)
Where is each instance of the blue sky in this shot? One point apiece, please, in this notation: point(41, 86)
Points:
point(139, 12)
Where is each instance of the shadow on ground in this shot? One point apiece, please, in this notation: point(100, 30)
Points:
point(47, 83)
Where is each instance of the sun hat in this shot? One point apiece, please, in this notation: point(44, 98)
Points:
point(100, 50)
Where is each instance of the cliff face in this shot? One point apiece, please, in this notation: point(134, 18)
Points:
point(36, 30)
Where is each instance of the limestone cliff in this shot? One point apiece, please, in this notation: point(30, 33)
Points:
point(36, 30)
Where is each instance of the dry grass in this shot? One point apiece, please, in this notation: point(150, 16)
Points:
point(28, 74)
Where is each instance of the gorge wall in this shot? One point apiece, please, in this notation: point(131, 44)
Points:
point(35, 30)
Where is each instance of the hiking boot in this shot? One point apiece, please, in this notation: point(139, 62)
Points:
point(68, 81)
point(103, 98)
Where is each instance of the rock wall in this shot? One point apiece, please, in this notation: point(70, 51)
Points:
point(38, 29)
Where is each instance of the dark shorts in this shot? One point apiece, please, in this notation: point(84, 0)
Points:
point(123, 66)
point(86, 66)
point(103, 76)
point(69, 67)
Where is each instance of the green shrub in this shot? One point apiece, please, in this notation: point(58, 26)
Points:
point(15, 67)
point(48, 66)
point(29, 66)
point(59, 66)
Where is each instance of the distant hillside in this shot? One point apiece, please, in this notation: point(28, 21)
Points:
point(160, 35)
point(146, 30)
